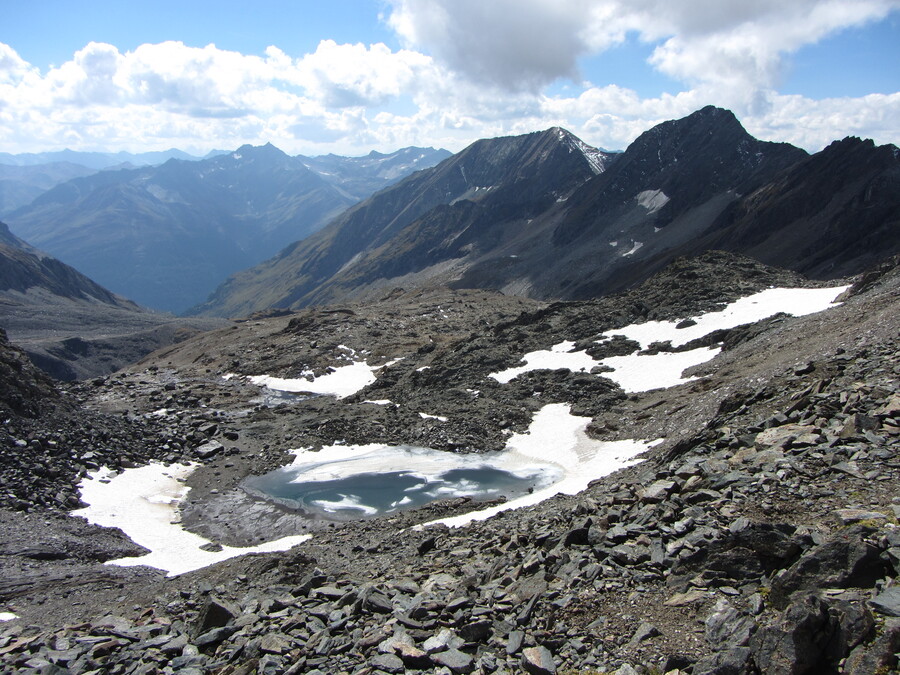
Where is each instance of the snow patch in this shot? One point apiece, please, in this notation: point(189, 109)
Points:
point(342, 382)
point(556, 436)
point(643, 372)
point(143, 503)
point(8, 616)
point(652, 200)
point(634, 249)
point(795, 301)
point(596, 158)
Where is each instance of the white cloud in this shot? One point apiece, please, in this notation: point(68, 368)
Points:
point(507, 43)
point(469, 70)
point(526, 44)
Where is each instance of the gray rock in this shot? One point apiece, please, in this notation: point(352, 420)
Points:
point(209, 449)
point(390, 663)
point(514, 641)
point(727, 626)
point(657, 492)
point(455, 660)
point(850, 516)
point(445, 639)
point(215, 636)
point(538, 661)
point(841, 562)
point(275, 643)
point(877, 656)
point(477, 631)
point(732, 661)
point(215, 613)
point(786, 435)
point(375, 601)
point(887, 602)
point(797, 642)
point(644, 632)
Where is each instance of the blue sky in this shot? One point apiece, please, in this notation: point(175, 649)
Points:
point(356, 75)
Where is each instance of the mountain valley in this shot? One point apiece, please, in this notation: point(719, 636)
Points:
point(165, 236)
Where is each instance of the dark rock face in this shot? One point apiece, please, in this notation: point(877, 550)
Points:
point(691, 161)
point(832, 214)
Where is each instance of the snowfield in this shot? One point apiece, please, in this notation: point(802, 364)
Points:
point(557, 436)
point(643, 372)
point(143, 503)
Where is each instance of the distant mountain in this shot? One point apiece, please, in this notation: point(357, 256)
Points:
point(168, 235)
point(20, 185)
point(364, 176)
point(70, 326)
point(683, 187)
point(432, 218)
point(95, 160)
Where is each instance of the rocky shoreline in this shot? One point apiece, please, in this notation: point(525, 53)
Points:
point(761, 536)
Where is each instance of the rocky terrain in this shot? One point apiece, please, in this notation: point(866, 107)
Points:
point(759, 537)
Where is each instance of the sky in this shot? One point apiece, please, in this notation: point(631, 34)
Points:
point(352, 76)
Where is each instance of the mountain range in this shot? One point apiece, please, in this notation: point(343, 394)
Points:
point(20, 185)
point(166, 235)
point(546, 216)
point(99, 160)
point(711, 455)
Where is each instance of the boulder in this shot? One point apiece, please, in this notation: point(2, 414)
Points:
point(796, 643)
point(215, 613)
point(538, 661)
point(887, 602)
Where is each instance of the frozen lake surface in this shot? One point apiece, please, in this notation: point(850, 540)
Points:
point(385, 479)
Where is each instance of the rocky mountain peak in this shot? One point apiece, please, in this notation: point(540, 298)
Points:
point(267, 151)
point(711, 134)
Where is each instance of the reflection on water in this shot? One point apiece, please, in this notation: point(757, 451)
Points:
point(272, 398)
point(371, 493)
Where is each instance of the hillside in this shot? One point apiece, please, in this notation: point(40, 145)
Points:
point(759, 535)
point(70, 326)
point(504, 181)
